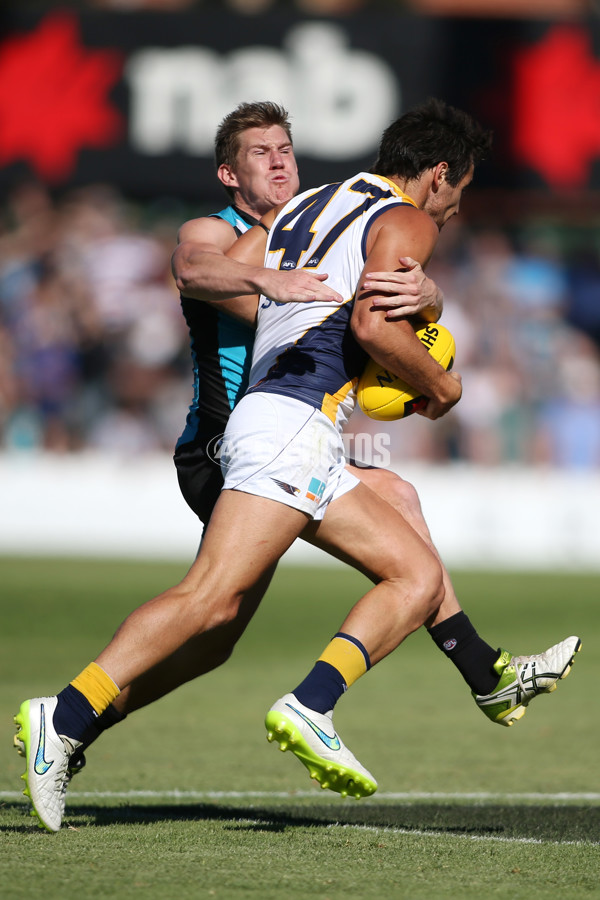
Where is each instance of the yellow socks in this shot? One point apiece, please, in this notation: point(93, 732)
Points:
point(342, 662)
point(346, 654)
point(82, 702)
point(96, 686)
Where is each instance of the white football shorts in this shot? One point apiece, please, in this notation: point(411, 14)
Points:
point(285, 450)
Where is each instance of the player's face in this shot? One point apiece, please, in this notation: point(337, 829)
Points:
point(445, 202)
point(265, 172)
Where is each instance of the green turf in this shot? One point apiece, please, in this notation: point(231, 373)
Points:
point(411, 721)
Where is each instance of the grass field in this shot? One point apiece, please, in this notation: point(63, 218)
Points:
point(186, 799)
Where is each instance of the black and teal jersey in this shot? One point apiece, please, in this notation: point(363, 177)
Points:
point(221, 352)
point(221, 355)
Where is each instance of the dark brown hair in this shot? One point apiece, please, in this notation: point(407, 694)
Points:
point(427, 135)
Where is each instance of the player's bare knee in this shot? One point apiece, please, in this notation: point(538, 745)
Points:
point(427, 590)
point(208, 607)
point(222, 611)
point(403, 497)
point(400, 494)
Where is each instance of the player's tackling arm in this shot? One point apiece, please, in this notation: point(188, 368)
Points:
point(208, 265)
point(203, 272)
point(402, 232)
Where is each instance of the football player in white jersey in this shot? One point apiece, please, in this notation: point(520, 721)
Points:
point(256, 164)
point(284, 465)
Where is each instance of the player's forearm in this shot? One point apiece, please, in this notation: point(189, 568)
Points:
point(395, 346)
point(208, 275)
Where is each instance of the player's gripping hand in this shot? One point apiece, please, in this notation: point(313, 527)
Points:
point(296, 286)
point(406, 292)
point(448, 394)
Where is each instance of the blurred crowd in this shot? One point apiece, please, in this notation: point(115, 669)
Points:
point(524, 309)
point(93, 343)
point(94, 351)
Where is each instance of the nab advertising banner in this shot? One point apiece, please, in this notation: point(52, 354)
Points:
point(135, 99)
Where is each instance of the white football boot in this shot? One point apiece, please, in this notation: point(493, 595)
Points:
point(313, 739)
point(47, 760)
point(521, 678)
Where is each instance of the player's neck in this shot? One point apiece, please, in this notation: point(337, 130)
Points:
point(415, 188)
point(242, 206)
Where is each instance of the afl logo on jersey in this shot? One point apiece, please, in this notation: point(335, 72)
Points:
point(288, 264)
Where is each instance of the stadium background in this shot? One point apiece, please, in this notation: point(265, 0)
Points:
point(107, 114)
point(183, 800)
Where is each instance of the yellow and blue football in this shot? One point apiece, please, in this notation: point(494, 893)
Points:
point(385, 397)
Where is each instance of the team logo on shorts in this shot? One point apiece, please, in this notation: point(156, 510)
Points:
point(450, 645)
point(315, 489)
point(288, 488)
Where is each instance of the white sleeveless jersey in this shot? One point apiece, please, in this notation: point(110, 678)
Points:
point(306, 350)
